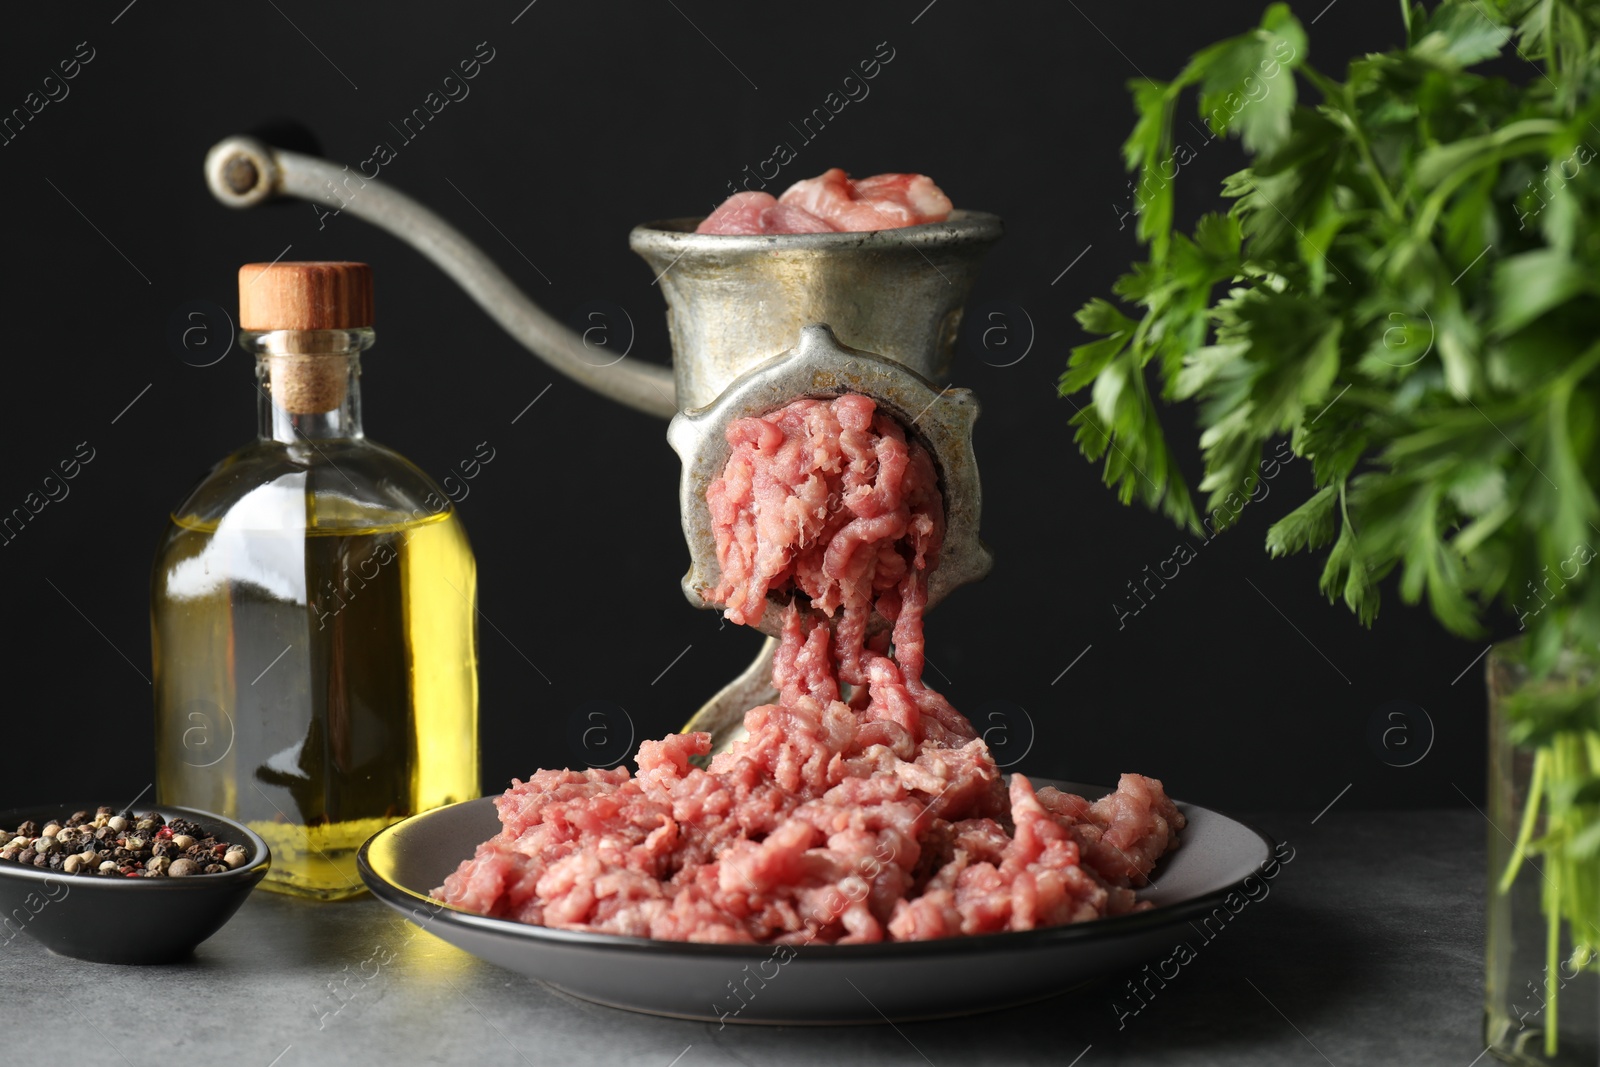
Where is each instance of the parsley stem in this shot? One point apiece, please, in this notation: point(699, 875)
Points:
point(1379, 182)
point(1552, 66)
point(1517, 138)
point(1339, 100)
point(1578, 370)
point(1552, 962)
point(1530, 815)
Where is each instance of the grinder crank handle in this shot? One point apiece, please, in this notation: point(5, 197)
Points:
point(242, 172)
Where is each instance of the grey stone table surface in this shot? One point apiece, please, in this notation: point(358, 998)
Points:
point(1367, 950)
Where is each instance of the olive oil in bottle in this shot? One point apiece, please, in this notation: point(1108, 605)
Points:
point(314, 607)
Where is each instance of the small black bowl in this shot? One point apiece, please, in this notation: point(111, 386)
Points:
point(125, 920)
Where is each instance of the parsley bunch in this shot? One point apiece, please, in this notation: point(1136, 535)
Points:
point(1406, 285)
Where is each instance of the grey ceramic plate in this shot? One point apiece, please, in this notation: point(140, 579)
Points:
point(813, 983)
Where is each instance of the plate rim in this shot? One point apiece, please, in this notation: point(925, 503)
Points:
point(404, 900)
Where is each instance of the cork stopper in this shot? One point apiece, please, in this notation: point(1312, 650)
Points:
point(306, 297)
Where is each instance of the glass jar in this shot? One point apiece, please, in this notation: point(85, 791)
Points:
point(313, 611)
point(1541, 988)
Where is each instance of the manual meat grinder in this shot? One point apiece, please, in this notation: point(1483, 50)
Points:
point(756, 322)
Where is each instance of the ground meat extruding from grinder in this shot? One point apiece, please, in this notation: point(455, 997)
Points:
point(832, 202)
point(880, 817)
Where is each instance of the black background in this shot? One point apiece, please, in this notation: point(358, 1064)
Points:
point(1237, 684)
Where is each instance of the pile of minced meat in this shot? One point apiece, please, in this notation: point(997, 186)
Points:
point(862, 806)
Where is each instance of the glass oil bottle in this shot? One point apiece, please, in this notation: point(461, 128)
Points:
point(313, 607)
